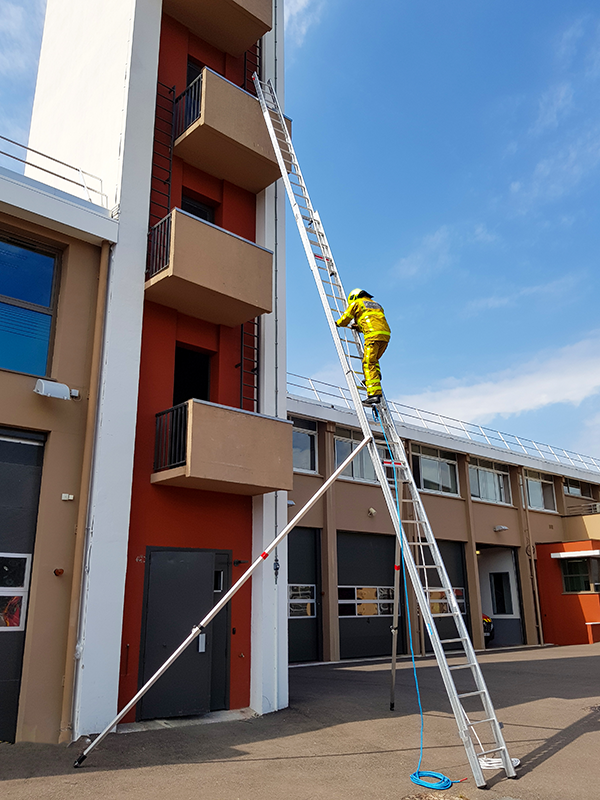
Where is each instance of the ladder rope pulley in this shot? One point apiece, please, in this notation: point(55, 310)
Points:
point(420, 553)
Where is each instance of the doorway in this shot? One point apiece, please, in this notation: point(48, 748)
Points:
point(182, 585)
point(500, 595)
point(20, 477)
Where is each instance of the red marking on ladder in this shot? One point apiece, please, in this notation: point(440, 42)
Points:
point(396, 567)
point(264, 555)
point(388, 463)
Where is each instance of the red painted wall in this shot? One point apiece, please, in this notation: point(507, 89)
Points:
point(564, 615)
point(167, 516)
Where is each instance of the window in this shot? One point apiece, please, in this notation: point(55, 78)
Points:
point(540, 491)
point(192, 375)
point(197, 209)
point(580, 574)
point(501, 596)
point(14, 586)
point(434, 470)
point(489, 481)
point(365, 601)
point(304, 443)
point(361, 468)
point(578, 488)
point(27, 303)
point(301, 600)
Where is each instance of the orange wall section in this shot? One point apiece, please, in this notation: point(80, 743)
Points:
point(172, 517)
point(235, 208)
point(564, 615)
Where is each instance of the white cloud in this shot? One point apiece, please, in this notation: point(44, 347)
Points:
point(569, 376)
point(560, 173)
point(484, 235)
point(300, 15)
point(432, 254)
point(559, 289)
point(554, 106)
point(569, 40)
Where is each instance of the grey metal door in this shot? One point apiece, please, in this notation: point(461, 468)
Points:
point(304, 596)
point(20, 477)
point(179, 592)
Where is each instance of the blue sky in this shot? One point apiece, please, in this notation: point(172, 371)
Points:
point(453, 151)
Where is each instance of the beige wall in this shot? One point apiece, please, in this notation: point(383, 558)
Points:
point(64, 422)
point(213, 275)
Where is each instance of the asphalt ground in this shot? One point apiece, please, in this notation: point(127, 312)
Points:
point(338, 739)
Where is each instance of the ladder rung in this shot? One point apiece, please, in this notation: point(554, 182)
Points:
point(471, 694)
point(447, 614)
point(470, 665)
point(493, 750)
point(480, 721)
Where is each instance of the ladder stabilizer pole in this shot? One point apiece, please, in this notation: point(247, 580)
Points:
point(197, 629)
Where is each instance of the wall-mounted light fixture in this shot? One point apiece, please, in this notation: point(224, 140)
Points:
point(60, 391)
point(372, 512)
point(498, 528)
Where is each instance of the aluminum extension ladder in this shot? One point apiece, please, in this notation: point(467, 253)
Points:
point(434, 594)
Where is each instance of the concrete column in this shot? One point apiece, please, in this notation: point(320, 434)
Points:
point(526, 559)
point(475, 609)
point(329, 568)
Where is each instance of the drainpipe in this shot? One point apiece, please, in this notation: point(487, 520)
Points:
point(66, 722)
point(530, 550)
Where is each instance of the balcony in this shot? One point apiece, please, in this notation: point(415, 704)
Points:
point(206, 272)
point(228, 25)
point(220, 129)
point(201, 445)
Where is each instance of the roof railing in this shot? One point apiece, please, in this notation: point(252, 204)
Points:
point(90, 185)
point(438, 423)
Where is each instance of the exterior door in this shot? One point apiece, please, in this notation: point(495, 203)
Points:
point(366, 594)
point(453, 556)
point(500, 595)
point(20, 477)
point(179, 592)
point(304, 596)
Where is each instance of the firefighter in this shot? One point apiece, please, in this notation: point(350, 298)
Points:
point(367, 316)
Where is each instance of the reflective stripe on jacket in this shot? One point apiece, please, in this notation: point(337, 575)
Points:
point(369, 317)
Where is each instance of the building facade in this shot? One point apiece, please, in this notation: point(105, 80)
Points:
point(187, 440)
point(516, 525)
point(54, 253)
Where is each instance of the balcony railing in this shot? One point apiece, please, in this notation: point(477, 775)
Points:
point(583, 510)
point(188, 106)
point(159, 247)
point(90, 186)
point(170, 446)
point(438, 423)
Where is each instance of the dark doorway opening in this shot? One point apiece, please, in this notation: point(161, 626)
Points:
point(192, 375)
point(197, 208)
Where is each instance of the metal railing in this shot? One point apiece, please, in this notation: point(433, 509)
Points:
point(170, 445)
point(438, 423)
point(159, 247)
point(90, 185)
point(583, 510)
point(188, 106)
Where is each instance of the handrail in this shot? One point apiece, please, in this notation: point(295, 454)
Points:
point(432, 421)
point(188, 106)
point(81, 182)
point(170, 445)
point(159, 247)
point(583, 510)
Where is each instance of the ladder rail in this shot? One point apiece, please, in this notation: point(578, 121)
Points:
point(321, 262)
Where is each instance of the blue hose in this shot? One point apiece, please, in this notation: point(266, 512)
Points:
point(441, 781)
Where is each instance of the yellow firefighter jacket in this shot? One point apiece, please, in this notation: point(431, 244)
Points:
point(369, 317)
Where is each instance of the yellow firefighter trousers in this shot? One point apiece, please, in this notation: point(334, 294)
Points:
point(374, 349)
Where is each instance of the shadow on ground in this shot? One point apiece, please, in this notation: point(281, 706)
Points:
point(329, 699)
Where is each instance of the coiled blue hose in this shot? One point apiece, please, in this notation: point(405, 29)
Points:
point(441, 781)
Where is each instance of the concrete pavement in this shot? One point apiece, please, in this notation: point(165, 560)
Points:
point(338, 739)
